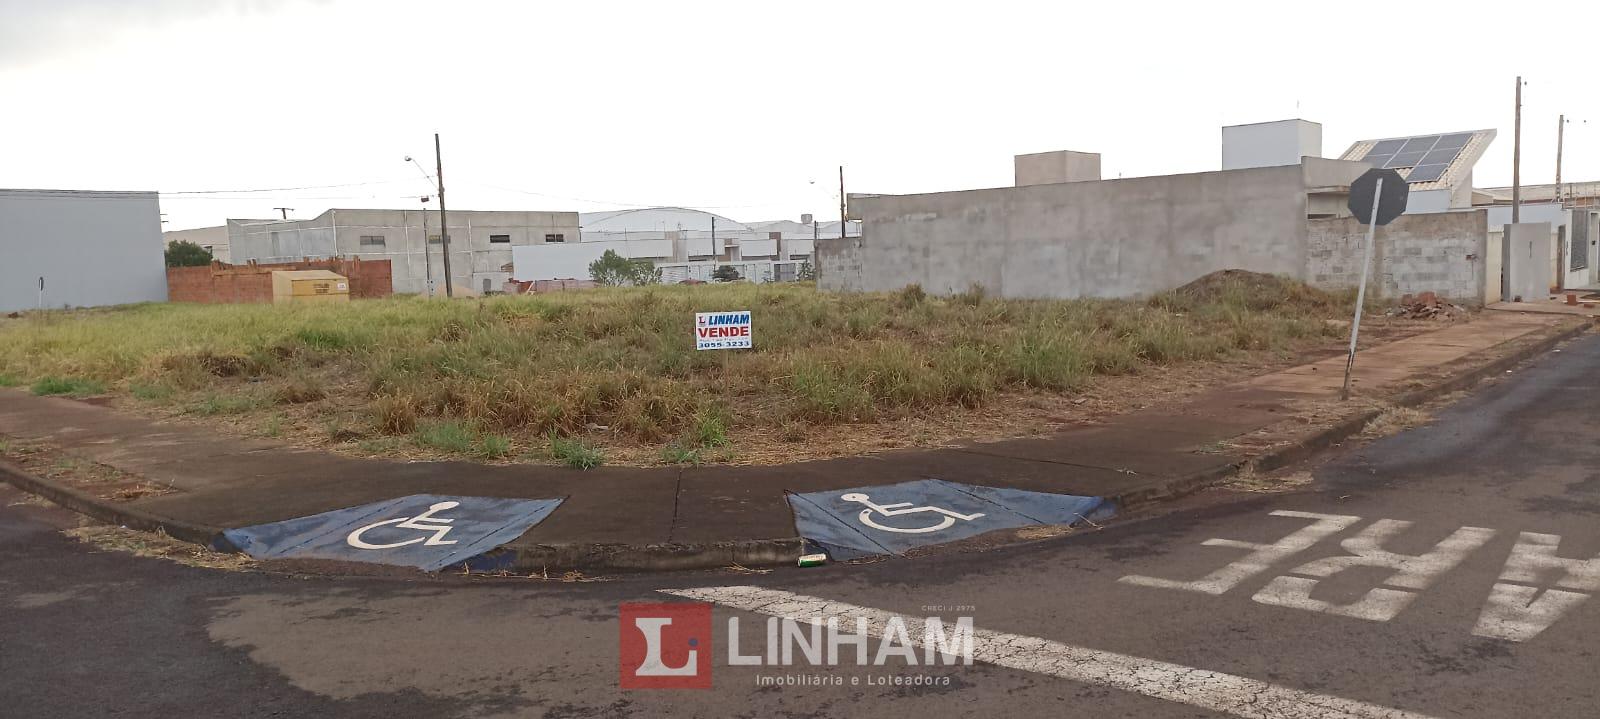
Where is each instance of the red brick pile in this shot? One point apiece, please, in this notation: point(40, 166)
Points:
point(220, 283)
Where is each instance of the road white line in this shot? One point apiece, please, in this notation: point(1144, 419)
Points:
point(1215, 691)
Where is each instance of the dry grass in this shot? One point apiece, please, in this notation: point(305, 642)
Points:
point(158, 545)
point(1248, 480)
point(614, 370)
point(1394, 420)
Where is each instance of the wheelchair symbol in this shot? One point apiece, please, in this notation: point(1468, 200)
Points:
point(424, 522)
point(897, 509)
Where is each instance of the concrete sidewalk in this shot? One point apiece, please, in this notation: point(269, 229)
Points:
point(671, 517)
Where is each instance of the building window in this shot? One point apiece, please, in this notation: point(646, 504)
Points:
point(558, 237)
point(372, 241)
point(500, 239)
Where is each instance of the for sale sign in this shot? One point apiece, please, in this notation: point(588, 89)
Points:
point(722, 330)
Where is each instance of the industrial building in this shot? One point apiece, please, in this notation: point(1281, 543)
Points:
point(212, 239)
point(481, 243)
point(1276, 206)
point(71, 248)
point(685, 244)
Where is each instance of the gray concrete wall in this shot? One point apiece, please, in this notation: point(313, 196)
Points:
point(92, 248)
point(1443, 253)
point(1114, 238)
point(1048, 168)
point(476, 261)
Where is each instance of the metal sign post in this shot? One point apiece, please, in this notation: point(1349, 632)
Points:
point(1385, 207)
point(1361, 291)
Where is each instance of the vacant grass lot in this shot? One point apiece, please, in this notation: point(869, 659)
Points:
point(553, 375)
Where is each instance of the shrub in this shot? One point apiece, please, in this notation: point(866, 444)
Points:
point(710, 428)
point(184, 253)
point(910, 296)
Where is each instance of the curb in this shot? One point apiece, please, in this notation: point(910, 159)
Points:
point(110, 512)
point(775, 552)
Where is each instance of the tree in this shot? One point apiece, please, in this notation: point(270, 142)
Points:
point(184, 253)
point(807, 272)
point(614, 270)
point(725, 273)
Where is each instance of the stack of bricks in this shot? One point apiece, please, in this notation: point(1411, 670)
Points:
point(220, 282)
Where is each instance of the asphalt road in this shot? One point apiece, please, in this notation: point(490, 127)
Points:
point(1416, 576)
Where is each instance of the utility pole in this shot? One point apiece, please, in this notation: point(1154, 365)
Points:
point(843, 233)
point(1561, 133)
point(444, 220)
point(1516, 162)
point(284, 210)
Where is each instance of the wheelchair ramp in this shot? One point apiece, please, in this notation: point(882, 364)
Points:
point(426, 531)
point(894, 518)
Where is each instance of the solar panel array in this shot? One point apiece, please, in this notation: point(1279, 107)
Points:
point(1428, 155)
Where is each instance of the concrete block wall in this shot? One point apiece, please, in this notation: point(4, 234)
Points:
point(1445, 253)
point(1114, 238)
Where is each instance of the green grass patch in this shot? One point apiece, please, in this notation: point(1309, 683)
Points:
point(9, 380)
point(676, 453)
point(453, 437)
point(574, 453)
point(70, 386)
point(220, 404)
point(150, 391)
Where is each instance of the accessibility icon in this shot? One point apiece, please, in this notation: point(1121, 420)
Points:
point(895, 518)
point(426, 531)
point(895, 510)
point(425, 522)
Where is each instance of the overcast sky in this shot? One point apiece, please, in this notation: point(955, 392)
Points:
point(743, 108)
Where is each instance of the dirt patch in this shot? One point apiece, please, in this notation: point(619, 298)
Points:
point(104, 481)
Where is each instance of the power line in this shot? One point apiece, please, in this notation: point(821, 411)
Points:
point(607, 202)
point(281, 189)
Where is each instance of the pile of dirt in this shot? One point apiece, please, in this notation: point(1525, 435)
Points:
point(1254, 290)
point(1426, 306)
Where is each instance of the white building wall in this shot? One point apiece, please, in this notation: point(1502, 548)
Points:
point(477, 261)
point(91, 248)
point(1270, 144)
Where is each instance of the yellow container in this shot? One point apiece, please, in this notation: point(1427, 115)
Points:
point(309, 286)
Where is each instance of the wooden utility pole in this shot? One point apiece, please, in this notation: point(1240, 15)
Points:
point(842, 224)
point(1561, 133)
point(1516, 161)
point(444, 221)
point(285, 210)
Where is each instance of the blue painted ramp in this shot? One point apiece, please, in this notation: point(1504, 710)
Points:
point(894, 518)
point(426, 531)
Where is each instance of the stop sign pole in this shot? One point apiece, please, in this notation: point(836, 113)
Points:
point(1361, 291)
point(1384, 208)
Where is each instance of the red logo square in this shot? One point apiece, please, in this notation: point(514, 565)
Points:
point(665, 646)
